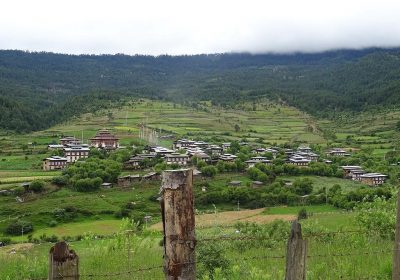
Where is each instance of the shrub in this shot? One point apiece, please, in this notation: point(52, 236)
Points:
point(19, 226)
point(87, 185)
point(19, 191)
point(36, 186)
point(52, 223)
point(60, 180)
point(302, 214)
point(209, 171)
point(5, 241)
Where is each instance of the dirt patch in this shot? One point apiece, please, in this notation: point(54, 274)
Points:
point(16, 248)
point(232, 217)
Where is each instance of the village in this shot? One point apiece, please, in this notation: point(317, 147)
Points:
point(184, 151)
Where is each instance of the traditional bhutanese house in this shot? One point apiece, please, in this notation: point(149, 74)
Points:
point(227, 157)
point(259, 151)
point(373, 179)
point(177, 158)
point(299, 161)
point(337, 152)
point(54, 163)
point(268, 150)
point(126, 181)
point(289, 152)
point(182, 144)
point(161, 151)
point(69, 140)
point(194, 150)
point(134, 162)
point(356, 174)
point(201, 144)
point(311, 156)
point(202, 156)
point(55, 147)
point(304, 149)
point(75, 153)
point(347, 169)
point(105, 140)
point(214, 150)
point(254, 160)
point(327, 161)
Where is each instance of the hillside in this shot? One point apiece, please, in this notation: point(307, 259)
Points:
point(38, 90)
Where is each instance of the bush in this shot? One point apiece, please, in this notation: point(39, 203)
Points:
point(18, 191)
point(87, 185)
point(52, 223)
point(17, 227)
point(60, 180)
point(302, 215)
point(36, 186)
point(209, 171)
point(5, 241)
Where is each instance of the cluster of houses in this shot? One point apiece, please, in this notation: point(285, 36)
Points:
point(73, 149)
point(184, 150)
point(356, 173)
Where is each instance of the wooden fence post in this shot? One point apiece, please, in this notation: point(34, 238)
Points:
point(177, 208)
point(396, 250)
point(63, 263)
point(296, 255)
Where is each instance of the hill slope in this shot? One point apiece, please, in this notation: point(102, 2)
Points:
point(45, 88)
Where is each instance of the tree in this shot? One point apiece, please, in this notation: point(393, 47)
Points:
point(209, 171)
point(18, 227)
point(303, 186)
point(237, 128)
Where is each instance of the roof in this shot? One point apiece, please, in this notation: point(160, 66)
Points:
point(55, 146)
point(104, 134)
point(372, 175)
point(350, 167)
point(176, 155)
point(77, 148)
point(56, 158)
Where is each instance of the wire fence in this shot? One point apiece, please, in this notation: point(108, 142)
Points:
point(248, 256)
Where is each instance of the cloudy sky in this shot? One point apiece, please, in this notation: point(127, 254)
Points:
point(201, 26)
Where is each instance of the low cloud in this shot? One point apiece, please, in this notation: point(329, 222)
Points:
point(192, 27)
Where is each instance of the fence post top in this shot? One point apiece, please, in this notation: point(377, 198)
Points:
point(295, 231)
point(175, 179)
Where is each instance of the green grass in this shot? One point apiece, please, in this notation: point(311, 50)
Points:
point(338, 256)
point(320, 182)
point(295, 209)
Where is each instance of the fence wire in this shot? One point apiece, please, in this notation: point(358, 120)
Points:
point(156, 271)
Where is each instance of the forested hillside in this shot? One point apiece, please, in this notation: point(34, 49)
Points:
point(40, 89)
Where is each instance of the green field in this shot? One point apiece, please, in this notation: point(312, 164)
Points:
point(263, 259)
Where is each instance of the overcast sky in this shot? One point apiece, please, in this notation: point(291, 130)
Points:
point(201, 26)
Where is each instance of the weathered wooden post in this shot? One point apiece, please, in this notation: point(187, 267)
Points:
point(296, 255)
point(177, 208)
point(63, 263)
point(396, 253)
